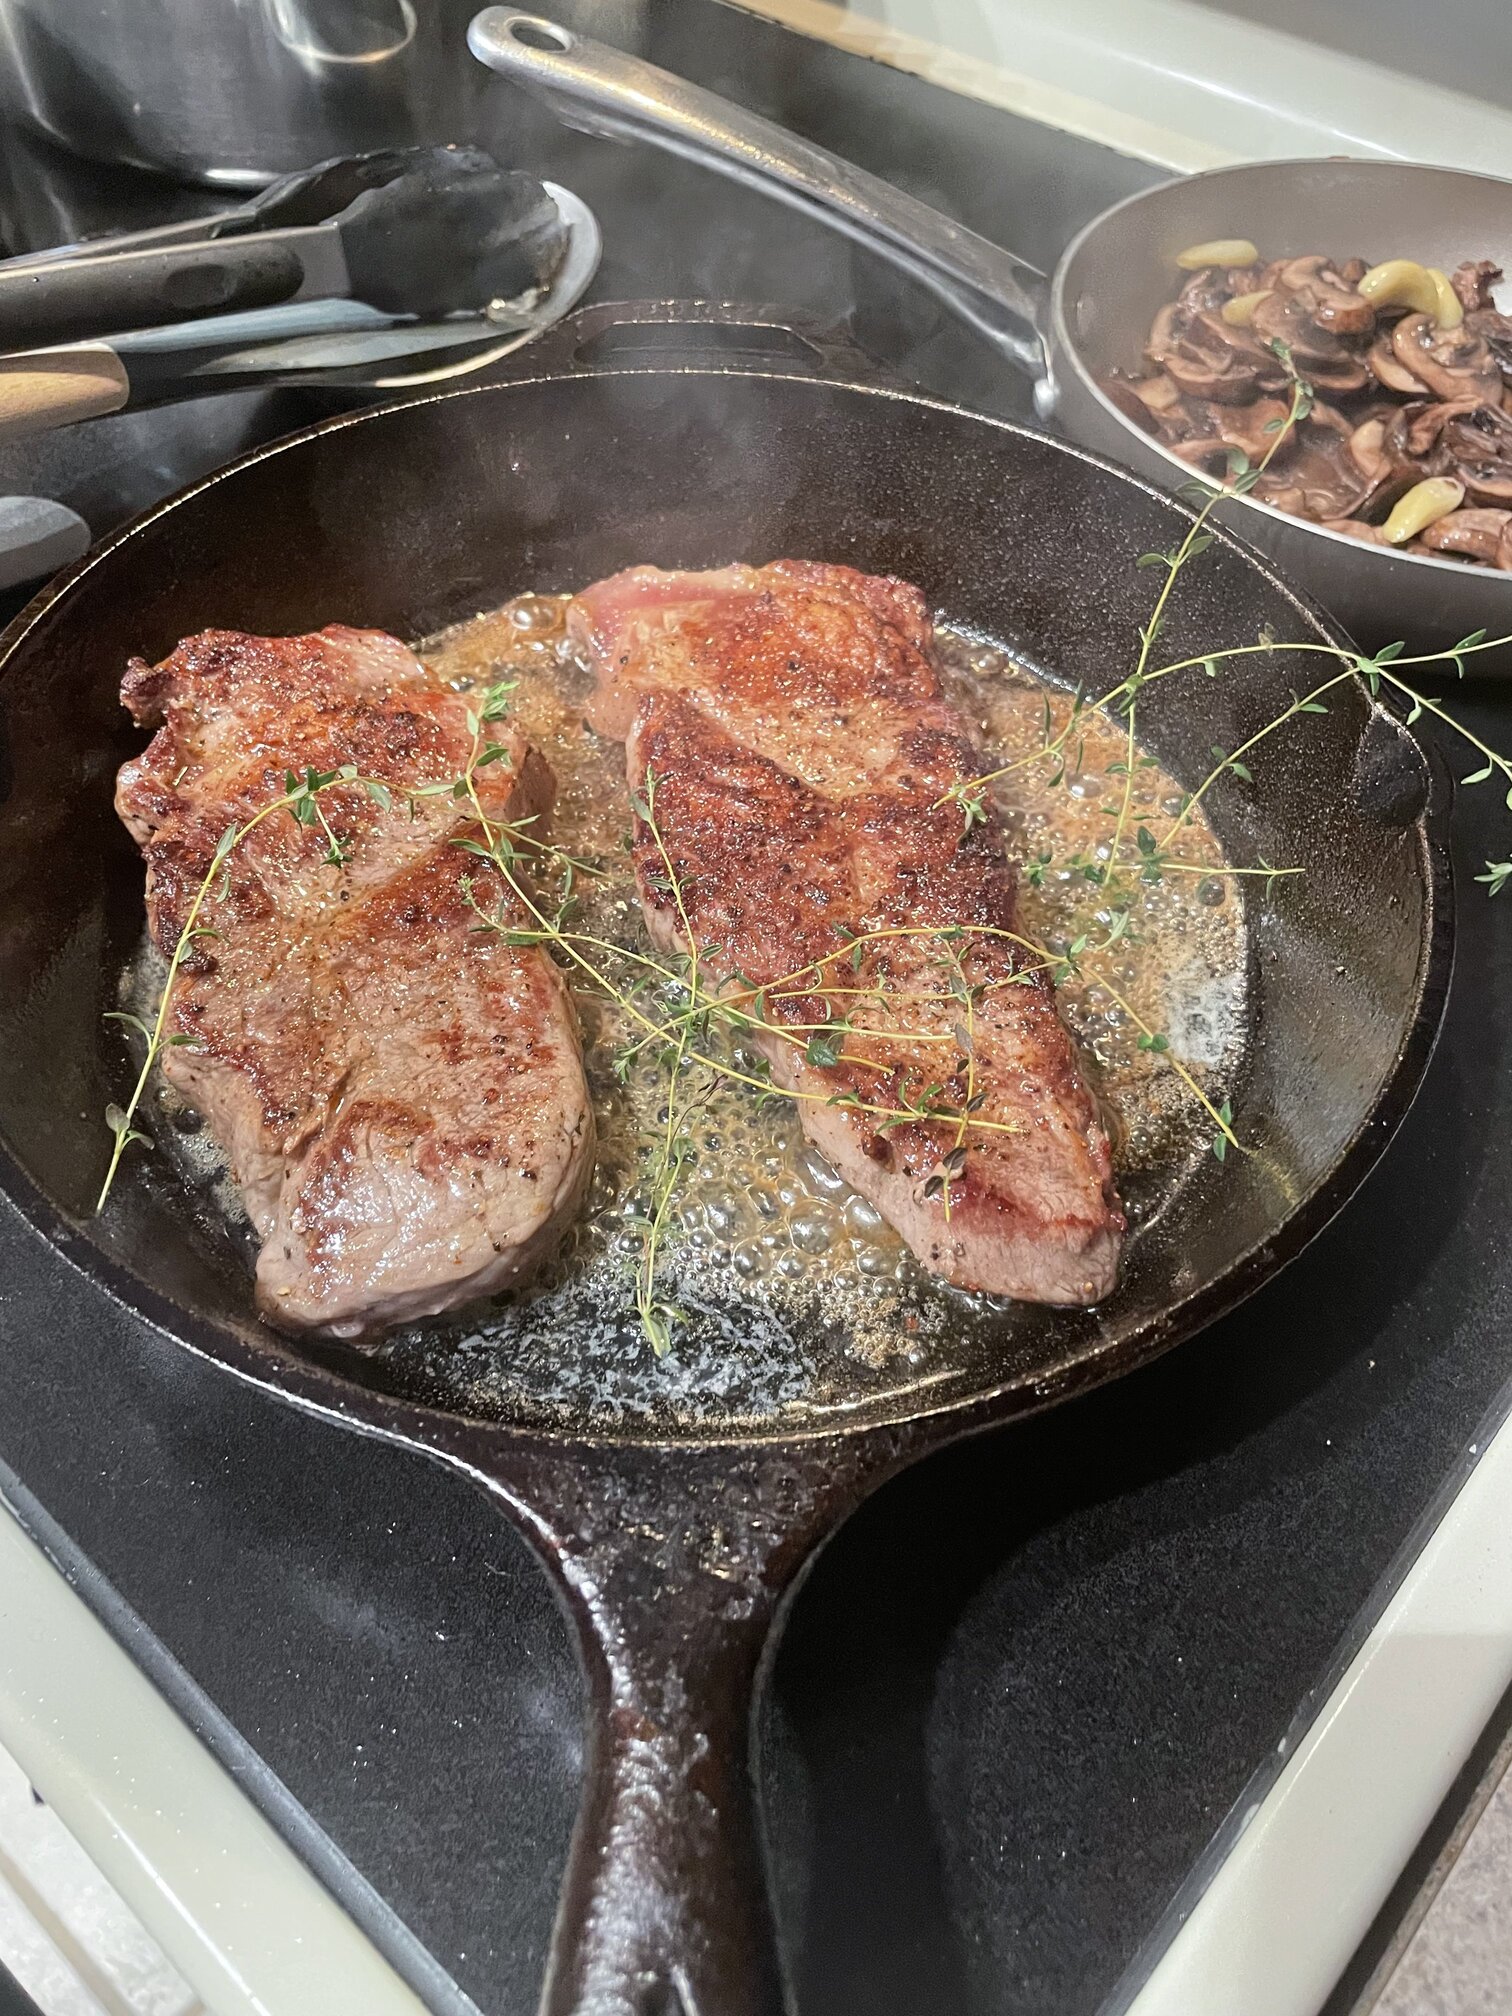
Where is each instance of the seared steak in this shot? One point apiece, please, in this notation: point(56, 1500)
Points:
point(400, 1093)
point(798, 744)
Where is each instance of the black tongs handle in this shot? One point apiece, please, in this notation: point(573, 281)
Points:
point(98, 294)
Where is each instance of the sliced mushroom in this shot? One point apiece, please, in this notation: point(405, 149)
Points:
point(1473, 282)
point(1315, 489)
point(1205, 451)
point(1413, 434)
point(1214, 331)
point(1354, 472)
point(1328, 300)
point(1208, 288)
point(1203, 432)
point(1340, 380)
point(1190, 430)
point(1206, 357)
point(1320, 478)
point(1325, 419)
point(1388, 370)
point(1145, 401)
point(1157, 392)
point(1129, 403)
point(1472, 532)
point(1366, 450)
point(1209, 359)
point(1284, 319)
point(1163, 331)
point(1206, 374)
point(1413, 450)
point(1476, 447)
point(1450, 363)
point(1380, 455)
point(1352, 528)
point(1253, 429)
point(1495, 331)
point(1288, 497)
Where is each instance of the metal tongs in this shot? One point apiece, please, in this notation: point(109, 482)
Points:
point(418, 231)
point(432, 257)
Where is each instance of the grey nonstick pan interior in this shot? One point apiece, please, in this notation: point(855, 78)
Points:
point(676, 1501)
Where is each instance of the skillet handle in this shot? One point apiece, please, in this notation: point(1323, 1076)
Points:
point(603, 91)
point(665, 1908)
point(676, 1564)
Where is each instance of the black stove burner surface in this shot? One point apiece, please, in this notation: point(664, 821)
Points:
point(988, 1766)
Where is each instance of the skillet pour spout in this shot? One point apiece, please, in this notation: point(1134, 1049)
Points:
point(676, 1500)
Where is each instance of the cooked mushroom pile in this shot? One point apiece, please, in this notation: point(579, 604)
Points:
point(1408, 442)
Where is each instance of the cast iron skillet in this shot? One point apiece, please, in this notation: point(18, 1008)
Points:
point(676, 1504)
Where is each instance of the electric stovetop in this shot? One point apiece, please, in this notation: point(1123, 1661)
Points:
point(1027, 1683)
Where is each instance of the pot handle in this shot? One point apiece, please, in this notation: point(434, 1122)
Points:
point(603, 91)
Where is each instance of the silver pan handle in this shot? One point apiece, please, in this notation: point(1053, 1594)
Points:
point(603, 91)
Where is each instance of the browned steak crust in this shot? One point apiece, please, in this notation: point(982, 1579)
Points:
point(800, 744)
point(400, 1093)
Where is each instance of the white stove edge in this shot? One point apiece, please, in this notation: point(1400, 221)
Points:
point(239, 1914)
point(1167, 81)
point(1278, 1906)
